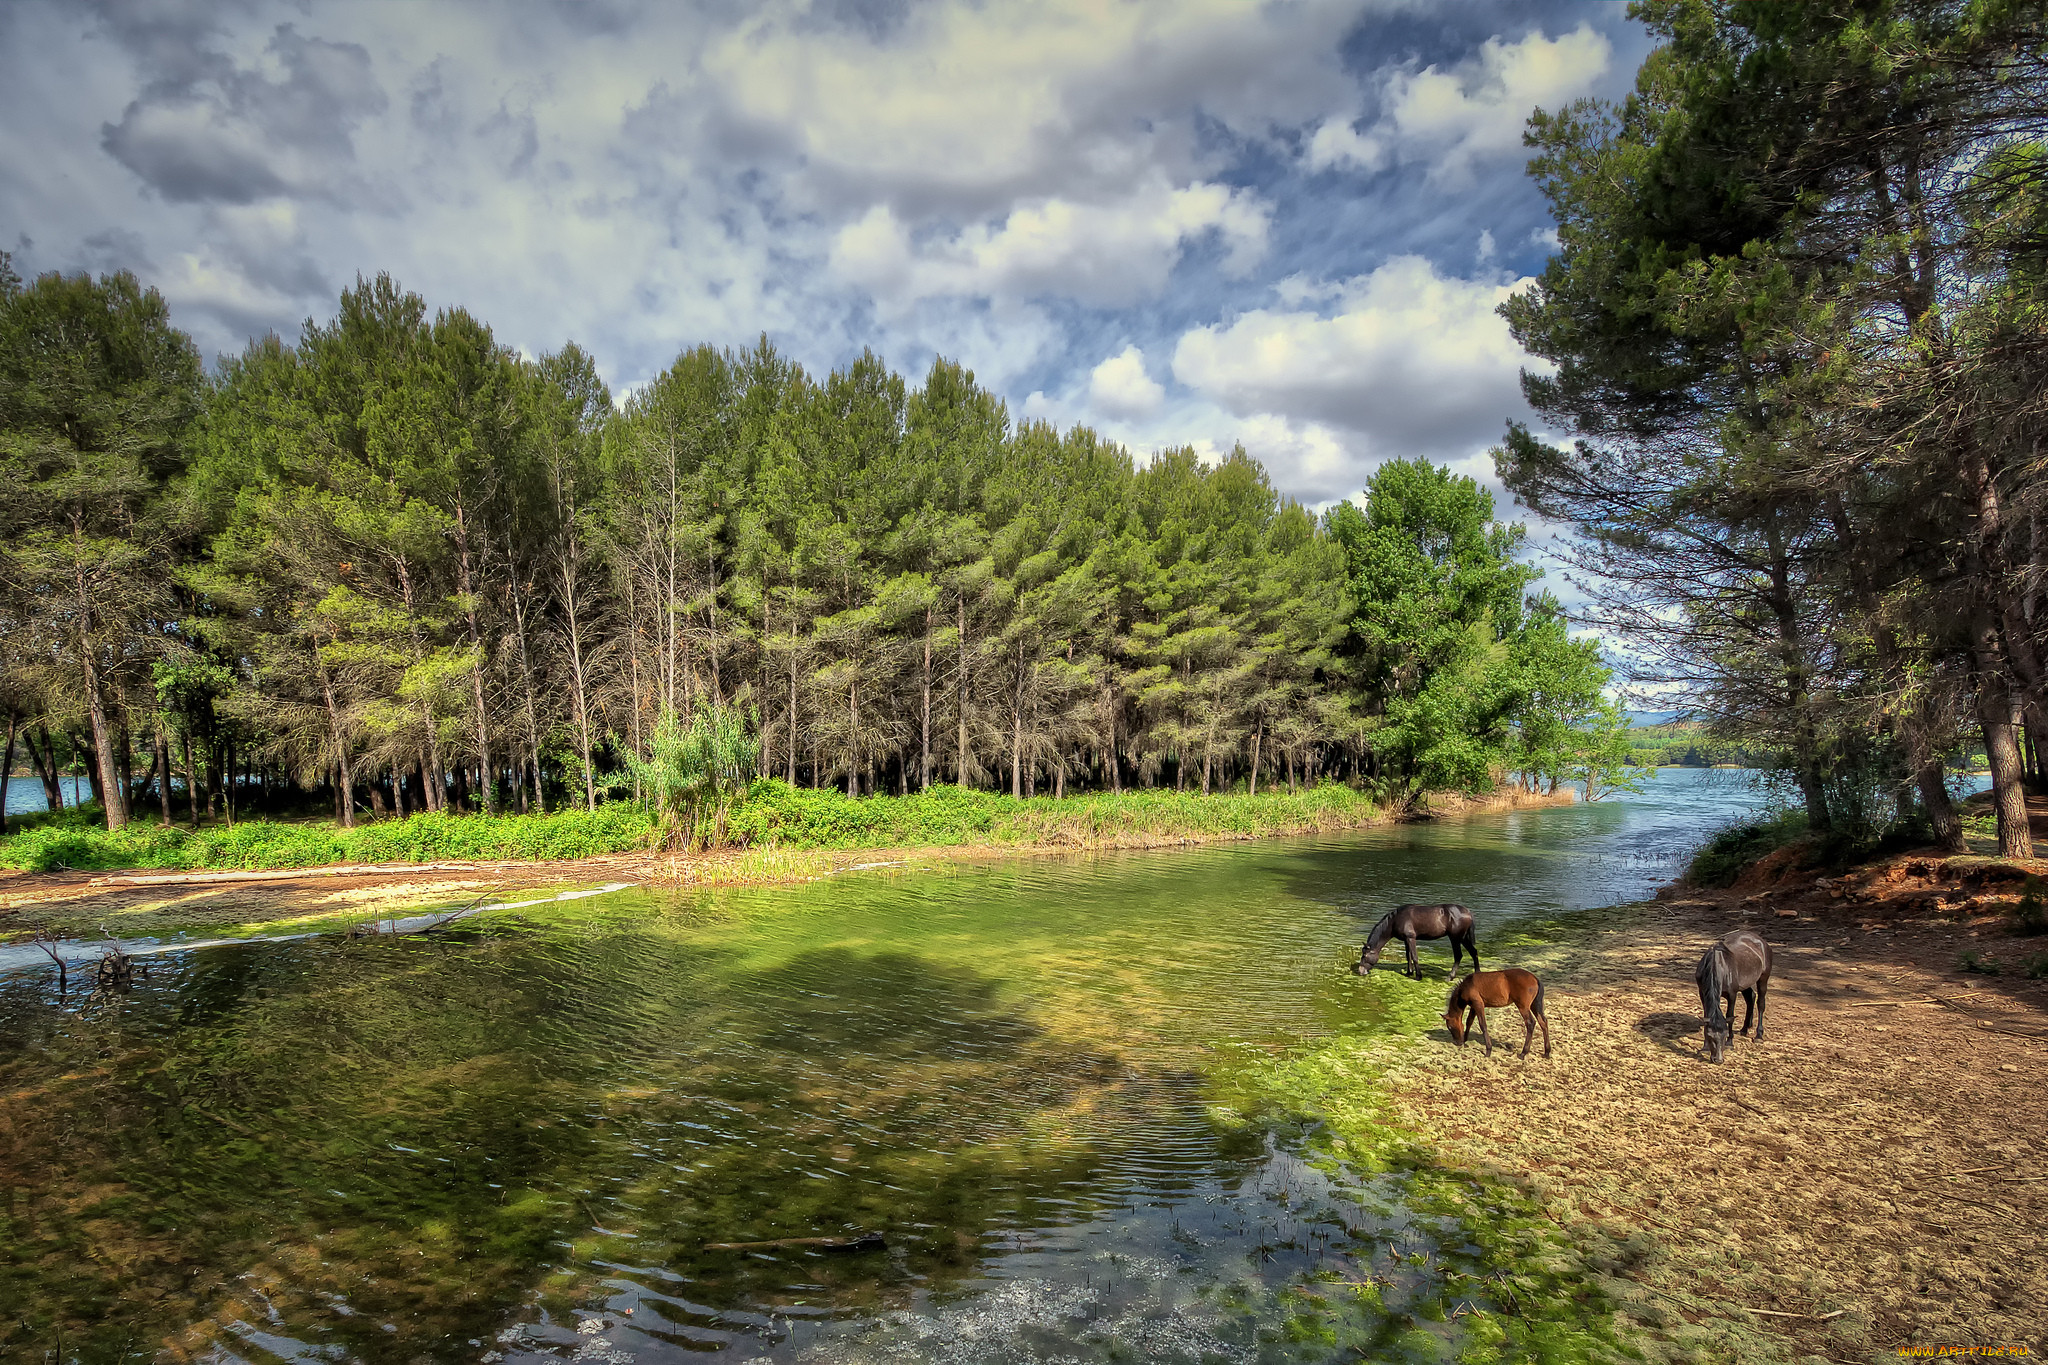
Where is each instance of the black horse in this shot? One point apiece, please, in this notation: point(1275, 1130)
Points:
point(1740, 964)
point(1411, 922)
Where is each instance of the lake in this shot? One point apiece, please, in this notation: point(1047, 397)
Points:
point(513, 1140)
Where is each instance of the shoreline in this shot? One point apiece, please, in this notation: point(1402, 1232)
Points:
point(160, 900)
point(1861, 1181)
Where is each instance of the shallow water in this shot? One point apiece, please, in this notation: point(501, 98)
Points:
point(513, 1139)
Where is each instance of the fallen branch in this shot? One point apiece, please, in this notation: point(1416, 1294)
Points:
point(867, 1241)
point(1809, 1317)
point(285, 874)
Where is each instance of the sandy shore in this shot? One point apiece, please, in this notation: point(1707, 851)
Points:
point(148, 901)
point(1871, 1176)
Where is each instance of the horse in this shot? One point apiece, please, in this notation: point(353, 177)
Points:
point(1411, 922)
point(1739, 964)
point(1510, 987)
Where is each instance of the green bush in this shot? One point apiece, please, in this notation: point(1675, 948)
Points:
point(2031, 913)
point(272, 844)
point(1730, 849)
point(771, 814)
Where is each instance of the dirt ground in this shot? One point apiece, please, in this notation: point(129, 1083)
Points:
point(1872, 1175)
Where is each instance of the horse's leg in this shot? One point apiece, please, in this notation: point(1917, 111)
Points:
point(1528, 1030)
point(1457, 954)
point(1748, 1008)
point(1763, 988)
point(1414, 963)
point(1544, 1019)
point(1485, 1037)
point(1472, 946)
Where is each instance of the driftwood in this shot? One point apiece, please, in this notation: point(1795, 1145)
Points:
point(867, 1241)
point(285, 874)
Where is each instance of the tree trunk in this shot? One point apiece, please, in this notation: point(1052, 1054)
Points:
point(163, 764)
point(110, 786)
point(1258, 732)
point(960, 770)
point(345, 798)
point(1995, 712)
point(45, 763)
point(7, 770)
point(924, 729)
point(1017, 730)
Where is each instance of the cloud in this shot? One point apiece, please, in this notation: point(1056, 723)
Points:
point(1106, 254)
point(1416, 363)
point(1120, 387)
point(214, 132)
point(958, 111)
point(1473, 111)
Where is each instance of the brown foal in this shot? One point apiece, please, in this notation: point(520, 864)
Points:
point(1513, 986)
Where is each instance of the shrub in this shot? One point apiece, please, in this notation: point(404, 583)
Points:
point(696, 772)
point(2031, 912)
point(1730, 849)
point(1970, 960)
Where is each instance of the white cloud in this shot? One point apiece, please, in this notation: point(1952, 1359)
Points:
point(1120, 387)
point(1416, 363)
point(1108, 254)
point(1474, 110)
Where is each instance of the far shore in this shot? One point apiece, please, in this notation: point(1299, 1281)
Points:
point(147, 901)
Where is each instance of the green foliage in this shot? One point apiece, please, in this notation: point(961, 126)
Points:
point(778, 814)
point(1472, 678)
point(1721, 859)
point(771, 813)
point(2031, 914)
point(254, 844)
point(696, 771)
point(1977, 963)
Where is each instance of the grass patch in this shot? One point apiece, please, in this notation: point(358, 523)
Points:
point(779, 815)
point(1970, 960)
point(773, 816)
point(255, 844)
point(1730, 849)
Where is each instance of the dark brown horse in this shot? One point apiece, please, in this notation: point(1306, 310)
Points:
point(1740, 964)
point(1411, 922)
point(1514, 987)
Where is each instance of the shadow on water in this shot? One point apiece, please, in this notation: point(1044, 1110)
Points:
point(387, 1148)
point(515, 1140)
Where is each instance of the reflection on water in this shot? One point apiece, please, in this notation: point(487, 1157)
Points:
point(515, 1139)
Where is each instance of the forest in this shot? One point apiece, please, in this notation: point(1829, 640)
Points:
point(398, 566)
point(1798, 316)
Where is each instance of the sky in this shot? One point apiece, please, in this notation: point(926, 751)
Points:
point(1286, 225)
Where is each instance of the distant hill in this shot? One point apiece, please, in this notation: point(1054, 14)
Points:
point(1642, 720)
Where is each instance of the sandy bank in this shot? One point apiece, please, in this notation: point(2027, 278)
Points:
point(152, 901)
point(1871, 1176)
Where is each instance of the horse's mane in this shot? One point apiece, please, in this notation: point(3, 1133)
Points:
point(1451, 1002)
point(1716, 970)
point(1381, 932)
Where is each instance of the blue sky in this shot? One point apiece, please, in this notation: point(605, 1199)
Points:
point(1285, 224)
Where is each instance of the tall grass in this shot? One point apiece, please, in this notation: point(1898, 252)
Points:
point(773, 814)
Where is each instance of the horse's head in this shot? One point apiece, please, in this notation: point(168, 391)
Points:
point(1368, 959)
point(1720, 1033)
point(1454, 1020)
